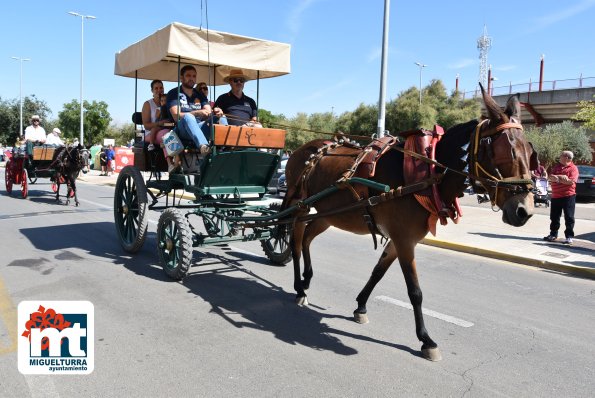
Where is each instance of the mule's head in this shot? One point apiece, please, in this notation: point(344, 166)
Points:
point(83, 158)
point(502, 160)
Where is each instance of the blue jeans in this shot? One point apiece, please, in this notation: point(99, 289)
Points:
point(191, 129)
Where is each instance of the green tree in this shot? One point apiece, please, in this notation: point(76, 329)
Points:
point(10, 114)
point(96, 120)
point(555, 138)
point(586, 114)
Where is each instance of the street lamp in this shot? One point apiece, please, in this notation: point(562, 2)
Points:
point(21, 59)
point(83, 17)
point(421, 67)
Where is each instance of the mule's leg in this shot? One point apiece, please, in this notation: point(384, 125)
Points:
point(313, 229)
point(58, 188)
point(429, 348)
point(73, 186)
point(387, 257)
point(297, 236)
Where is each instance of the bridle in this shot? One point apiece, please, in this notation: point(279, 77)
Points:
point(493, 178)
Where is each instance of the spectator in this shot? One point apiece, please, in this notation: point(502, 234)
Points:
point(54, 138)
point(111, 159)
point(563, 177)
point(238, 107)
point(34, 132)
point(103, 162)
point(539, 172)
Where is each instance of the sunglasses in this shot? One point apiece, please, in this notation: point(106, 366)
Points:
point(238, 80)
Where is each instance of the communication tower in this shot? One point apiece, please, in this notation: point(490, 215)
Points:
point(484, 43)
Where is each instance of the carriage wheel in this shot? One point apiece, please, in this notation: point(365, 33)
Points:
point(24, 185)
point(8, 179)
point(174, 243)
point(277, 247)
point(131, 209)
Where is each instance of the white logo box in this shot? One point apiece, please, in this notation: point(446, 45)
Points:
point(49, 323)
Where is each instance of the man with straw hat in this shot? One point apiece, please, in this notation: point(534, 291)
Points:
point(34, 132)
point(238, 107)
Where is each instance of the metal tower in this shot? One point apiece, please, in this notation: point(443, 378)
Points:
point(484, 43)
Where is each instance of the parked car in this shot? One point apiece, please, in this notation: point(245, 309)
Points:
point(273, 185)
point(282, 184)
point(585, 186)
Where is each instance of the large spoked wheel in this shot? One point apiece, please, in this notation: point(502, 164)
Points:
point(131, 209)
point(174, 243)
point(24, 184)
point(277, 248)
point(8, 179)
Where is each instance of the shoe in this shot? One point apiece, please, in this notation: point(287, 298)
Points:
point(205, 150)
point(550, 238)
point(567, 241)
point(150, 147)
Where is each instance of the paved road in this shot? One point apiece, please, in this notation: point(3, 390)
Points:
point(231, 328)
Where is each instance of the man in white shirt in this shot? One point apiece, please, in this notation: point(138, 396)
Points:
point(54, 138)
point(35, 133)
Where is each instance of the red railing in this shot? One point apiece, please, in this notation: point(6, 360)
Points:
point(533, 86)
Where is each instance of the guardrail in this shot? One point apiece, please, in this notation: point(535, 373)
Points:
point(550, 85)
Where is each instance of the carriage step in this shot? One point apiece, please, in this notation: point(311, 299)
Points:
point(165, 185)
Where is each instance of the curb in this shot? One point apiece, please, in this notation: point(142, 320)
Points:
point(585, 272)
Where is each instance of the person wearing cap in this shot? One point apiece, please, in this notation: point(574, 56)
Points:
point(54, 138)
point(190, 109)
point(237, 107)
point(34, 132)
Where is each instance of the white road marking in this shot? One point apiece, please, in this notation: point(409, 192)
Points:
point(237, 249)
point(434, 314)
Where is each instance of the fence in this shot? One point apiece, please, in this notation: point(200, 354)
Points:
point(550, 85)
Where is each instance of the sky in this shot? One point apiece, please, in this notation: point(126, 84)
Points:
point(335, 46)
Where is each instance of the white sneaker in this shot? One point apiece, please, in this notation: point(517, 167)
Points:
point(567, 241)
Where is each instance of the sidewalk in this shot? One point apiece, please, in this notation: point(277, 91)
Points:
point(482, 232)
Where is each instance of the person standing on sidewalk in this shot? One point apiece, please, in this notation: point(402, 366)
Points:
point(563, 177)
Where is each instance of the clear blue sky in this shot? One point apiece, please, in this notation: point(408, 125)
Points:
point(335, 54)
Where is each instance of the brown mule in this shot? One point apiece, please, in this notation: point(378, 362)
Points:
point(496, 155)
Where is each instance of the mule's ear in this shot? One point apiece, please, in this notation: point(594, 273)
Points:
point(494, 111)
point(80, 146)
point(513, 107)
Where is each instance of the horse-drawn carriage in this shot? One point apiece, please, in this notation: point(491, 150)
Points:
point(60, 164)
point(395, 189)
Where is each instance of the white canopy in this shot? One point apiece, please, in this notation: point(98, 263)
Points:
point(156, 56)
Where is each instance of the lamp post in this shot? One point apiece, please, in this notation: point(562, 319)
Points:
point(21, 59)
point(421, 67)
point(83, 17)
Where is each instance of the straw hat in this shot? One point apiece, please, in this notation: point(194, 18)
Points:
point(56, 131)
point(234, 74)
point(35, 117)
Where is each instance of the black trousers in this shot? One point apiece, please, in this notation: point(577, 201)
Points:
point(567, 205)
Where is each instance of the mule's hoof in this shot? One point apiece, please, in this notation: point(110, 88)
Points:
point(360, 318)
point(431, 354)
point(301, 301)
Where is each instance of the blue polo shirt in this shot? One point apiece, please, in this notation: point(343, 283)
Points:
point(241, 109)
point(187, 104)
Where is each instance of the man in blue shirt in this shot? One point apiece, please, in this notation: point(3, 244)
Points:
point(238, 107)
point(191, 110)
